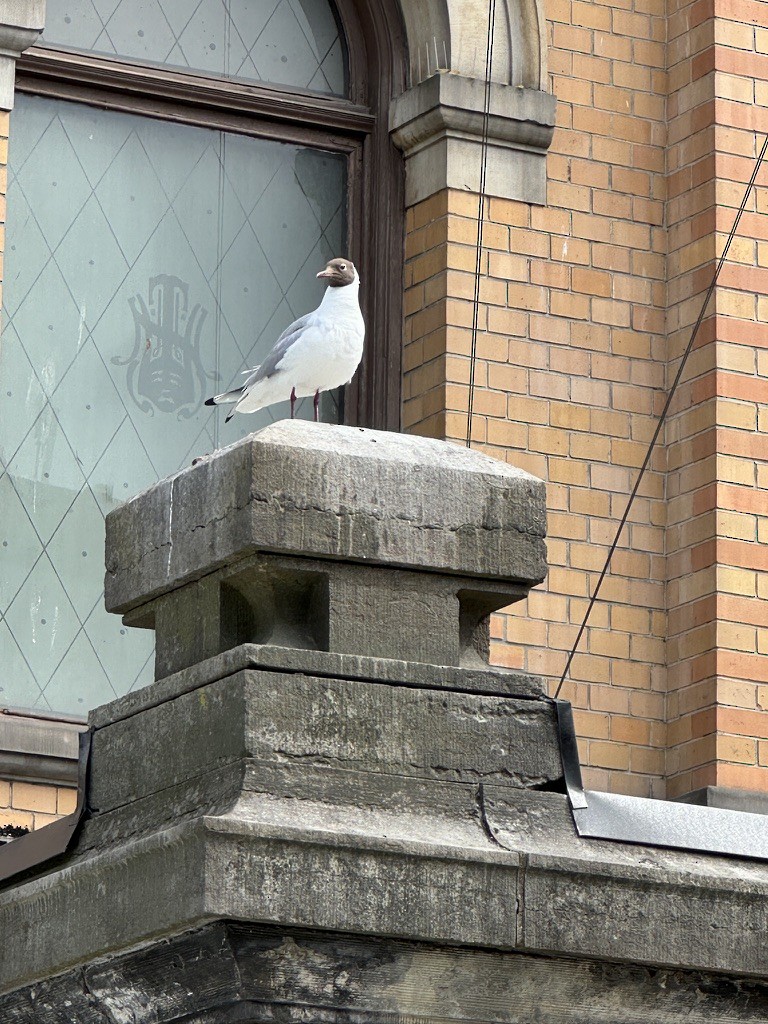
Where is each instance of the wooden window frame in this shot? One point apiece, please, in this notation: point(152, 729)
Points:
point(356, 126)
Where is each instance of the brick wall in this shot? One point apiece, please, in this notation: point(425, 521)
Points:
point(32, 805)
point(692, 462)
point(586, 307)
point(570, 372)
point(718, 68)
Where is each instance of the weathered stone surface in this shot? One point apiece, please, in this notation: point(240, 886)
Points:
point(425, 859)
point(21, 22)
point(298, 773)
point(329, 492)
point(670, 916)
point(233, 972)
point(362, 668)
point(343, 608)
point(440, 125)
point(232, 867)
point(313, 722)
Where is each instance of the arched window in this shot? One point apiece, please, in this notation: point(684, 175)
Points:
point(178, 172)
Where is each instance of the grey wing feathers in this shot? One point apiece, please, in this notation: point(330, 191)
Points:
point(294, 327)
point(250, 378)
point(281, 346)
point(268, 367)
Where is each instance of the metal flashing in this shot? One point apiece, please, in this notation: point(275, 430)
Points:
point(647, 822)
point(33, 849)
point(635, 819)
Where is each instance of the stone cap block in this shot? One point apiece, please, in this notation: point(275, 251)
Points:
point(331, 492)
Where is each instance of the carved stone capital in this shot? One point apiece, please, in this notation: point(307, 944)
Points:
point(438, 125)
point(21, 22)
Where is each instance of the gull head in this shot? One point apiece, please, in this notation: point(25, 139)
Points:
point(339, 272)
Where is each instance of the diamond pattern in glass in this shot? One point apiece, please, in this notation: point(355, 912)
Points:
point(283, 42)
point(182, 255)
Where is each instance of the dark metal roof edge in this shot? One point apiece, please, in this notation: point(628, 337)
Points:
point(569, 753)
point(42, 845)
point(644, 821)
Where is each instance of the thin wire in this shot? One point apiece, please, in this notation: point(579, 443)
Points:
point(481, 210)
point(665, 410)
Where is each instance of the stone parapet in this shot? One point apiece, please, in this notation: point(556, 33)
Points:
point(235, 972)
point(299, 830)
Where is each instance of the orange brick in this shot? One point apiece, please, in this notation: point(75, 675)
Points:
point(591, 724)
point(579, 354)
point(29, 796)
point(66, 801)
point(591, 282)
point(609, 755)
point(23, 819)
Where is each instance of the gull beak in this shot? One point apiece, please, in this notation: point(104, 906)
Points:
point(325, 273)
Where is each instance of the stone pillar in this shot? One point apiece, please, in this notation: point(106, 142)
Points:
point(332, 541)
point(328, 806)
point(323, 711)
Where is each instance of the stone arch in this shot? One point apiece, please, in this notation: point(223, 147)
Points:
point(451, 35)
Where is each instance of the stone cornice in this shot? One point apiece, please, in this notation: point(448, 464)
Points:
point(39, 750)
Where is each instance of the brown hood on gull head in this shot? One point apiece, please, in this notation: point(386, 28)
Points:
point(339, 272)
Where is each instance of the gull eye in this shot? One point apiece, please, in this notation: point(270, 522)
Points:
point(342, 266)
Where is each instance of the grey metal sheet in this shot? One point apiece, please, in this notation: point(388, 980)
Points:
point(645, 822)
point(634, 819)
point(39, 846)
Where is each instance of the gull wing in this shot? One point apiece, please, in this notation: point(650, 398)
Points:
point(272, 362)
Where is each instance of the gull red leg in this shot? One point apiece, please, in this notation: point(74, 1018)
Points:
point(293, 401)
point(316, 405)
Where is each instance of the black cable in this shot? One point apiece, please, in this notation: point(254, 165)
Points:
point(665, 410)
point(481, 210)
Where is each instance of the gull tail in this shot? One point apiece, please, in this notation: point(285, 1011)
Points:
point(227, 396)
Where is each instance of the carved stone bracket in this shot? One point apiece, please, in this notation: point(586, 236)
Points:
point(21, 22)
point(438, 125)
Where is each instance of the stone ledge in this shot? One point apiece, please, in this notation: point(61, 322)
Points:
point(490, 681)
point(172, 881)
point(235, 972)
point(439, 123)
point(38, 750)
point(279, 719)
point(422, 880)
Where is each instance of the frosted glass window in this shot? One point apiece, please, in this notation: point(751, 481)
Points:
point(282, 42)
point(147, 264)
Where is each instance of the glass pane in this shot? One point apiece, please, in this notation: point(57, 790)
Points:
point(147, 265)
point(283, 42)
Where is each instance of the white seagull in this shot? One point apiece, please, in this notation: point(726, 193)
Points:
point(319, 352)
